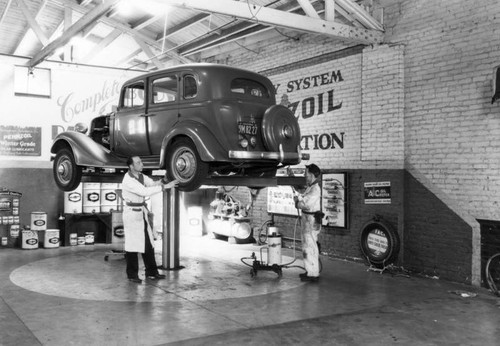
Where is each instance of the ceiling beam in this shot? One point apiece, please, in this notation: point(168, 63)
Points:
point(80, 25)
point(149, 53)
point(221, 36)
point(42, 37)
point(25, 36)
point(251, 42)
point(360, 14)
point(308, 8)
point(68, 21)
point(184, 25)
point(330, 10)
point(239, 31)
point(129, 57)
point(103, 44)
point(147, 21)
point(273, 17)
point(4, 13)
point(171, 48)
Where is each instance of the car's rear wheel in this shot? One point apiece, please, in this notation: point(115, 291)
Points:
point(67, 174)
point(280, 128)
point(185, 165)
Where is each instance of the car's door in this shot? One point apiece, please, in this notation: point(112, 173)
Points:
point(163, 108)
point(130, 126)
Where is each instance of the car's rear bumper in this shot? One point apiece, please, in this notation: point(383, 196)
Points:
point(280, 156)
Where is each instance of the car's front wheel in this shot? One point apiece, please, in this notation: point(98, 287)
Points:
point(67, 174)
point(184, 164)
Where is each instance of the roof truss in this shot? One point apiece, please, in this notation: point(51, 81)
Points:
point(303, 16)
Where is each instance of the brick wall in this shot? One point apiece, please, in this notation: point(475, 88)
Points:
point(452, 131)
point(437, 241)
point(382, 126)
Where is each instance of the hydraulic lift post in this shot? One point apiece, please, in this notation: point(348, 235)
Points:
point(171, 225)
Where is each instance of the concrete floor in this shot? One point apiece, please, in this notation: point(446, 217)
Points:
point(71, 296)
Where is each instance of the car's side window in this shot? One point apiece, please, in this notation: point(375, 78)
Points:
point(133, 95)
point(190, 87)
point(249, 87)
point(164, 89)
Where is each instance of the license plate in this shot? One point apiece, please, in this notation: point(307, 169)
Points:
point(247, 128)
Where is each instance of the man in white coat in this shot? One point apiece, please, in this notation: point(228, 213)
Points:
point(310, 204)
point(138, 231)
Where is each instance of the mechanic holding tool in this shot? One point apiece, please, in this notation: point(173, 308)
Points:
point(138, 231)
point(310, 204)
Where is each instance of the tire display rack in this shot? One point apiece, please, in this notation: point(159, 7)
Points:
point(379, 243)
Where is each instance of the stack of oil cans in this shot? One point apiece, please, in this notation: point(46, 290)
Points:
point(9, 217)
point(90, 198)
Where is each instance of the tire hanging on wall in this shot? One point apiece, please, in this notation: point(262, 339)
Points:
point(379, 242)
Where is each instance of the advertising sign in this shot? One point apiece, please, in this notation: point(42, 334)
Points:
point(378, 192)
point(20, 141)
point(280, 201)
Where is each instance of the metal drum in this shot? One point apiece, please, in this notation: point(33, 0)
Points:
point(73, 200)
point(109, 198)
point(274, 251)
point(91, 197)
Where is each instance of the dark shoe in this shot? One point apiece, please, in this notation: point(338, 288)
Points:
point(156, 277)
point(310, 278)
point(136, 280)
point(303, 275)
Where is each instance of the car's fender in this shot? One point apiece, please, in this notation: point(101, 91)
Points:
point(209, 148)
point(86, 151)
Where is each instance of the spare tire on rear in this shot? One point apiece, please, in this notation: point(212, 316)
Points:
point(279, 126)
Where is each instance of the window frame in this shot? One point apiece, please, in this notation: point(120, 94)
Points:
point(189, 75)
point(132, 86)
point(266, 93)
point(174, 77)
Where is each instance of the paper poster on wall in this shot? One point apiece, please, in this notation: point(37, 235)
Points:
point(280, 201)
point(20, 141)
point(378, 192)
point(334, 200)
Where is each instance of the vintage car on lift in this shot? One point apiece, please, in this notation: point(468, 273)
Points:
point(192, 121)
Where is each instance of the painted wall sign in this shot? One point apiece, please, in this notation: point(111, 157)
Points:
point(378, 192)
point(313, 105)
point(325, 99)
point(73, 104)
point(20, 141)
